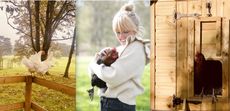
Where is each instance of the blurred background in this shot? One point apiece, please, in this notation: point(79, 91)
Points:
point(94, 32)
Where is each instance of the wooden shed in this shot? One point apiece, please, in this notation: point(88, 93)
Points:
point(179, 29)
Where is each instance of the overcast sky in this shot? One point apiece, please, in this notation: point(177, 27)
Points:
point(5, 29)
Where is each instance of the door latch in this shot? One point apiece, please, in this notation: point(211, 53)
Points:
point(178, 15)
point(209, 6)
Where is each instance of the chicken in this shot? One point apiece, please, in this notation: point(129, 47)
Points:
point(199, 70)
point(110, 57)
point(107, 57)
point(35, 65)
point(207, 75)
point(44, 66)
point(32, 62)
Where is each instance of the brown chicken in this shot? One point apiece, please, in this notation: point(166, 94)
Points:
point(110, 57)
point(106, 57)
point(207, 75)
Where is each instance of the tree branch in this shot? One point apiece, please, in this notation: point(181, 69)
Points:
point(14, 3)
point(62, 39)
point(15, 27)
point(60, 12)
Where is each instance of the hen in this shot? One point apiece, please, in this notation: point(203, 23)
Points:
point(106, 57)
point(35, 65)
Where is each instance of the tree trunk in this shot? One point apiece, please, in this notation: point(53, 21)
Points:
point(66, 74)
point(31, 27)
point(37, 25)
point(48, 32)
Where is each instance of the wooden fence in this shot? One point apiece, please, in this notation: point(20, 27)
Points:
point(29, 104)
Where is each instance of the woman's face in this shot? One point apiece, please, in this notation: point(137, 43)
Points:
point(122, 36)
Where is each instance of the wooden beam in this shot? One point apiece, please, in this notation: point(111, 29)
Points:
point(153, 55)
point(36, 107)
point(12, 79)
point(28, 91)
point(55, 86)
point(13, 106)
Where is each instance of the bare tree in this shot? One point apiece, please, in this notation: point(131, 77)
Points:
point(44, 19)
point(66, 74)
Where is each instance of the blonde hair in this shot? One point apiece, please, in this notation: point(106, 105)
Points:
point(127, 20)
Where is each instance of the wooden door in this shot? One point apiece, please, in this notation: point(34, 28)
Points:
point(174, 43)
point(211, 38)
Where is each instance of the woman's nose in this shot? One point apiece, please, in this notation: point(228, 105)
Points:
point(121, 35)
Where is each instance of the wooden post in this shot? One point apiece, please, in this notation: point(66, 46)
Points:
point(28, 91)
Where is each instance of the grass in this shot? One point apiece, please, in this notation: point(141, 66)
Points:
point(83, 84)
point(47, 98)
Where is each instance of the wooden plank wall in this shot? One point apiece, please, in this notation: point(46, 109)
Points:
point(173, 45)
point(165, 45)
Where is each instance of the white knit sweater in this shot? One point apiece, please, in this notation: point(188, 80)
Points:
point(123, 77)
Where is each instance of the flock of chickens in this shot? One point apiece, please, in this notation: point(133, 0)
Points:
point(36, 65)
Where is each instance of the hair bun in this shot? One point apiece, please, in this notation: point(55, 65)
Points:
point(128, 7)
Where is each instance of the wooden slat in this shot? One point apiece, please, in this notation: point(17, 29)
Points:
point(152, 55)
point(12, 79)
point(165, 22)
point(162, 61)
point(166, 54)
point(36, 107)
point(181, 52)
point(165, 8)
point(166, 33)
point(190, 60)
point(209, 26)
point(28, 93)
point(165, 84)
point(219, 36)
point(165, 0)
point(165, 91)
point(209, 36)
point(166, 79)
point(226, 8)
point(166, 40)
point(197, 36)
point(165, 58)
point(208, 19)
point(165, 72)
point(194, 6)
point(220, 8)
point(58, 87)
point(164, 103)
point(12, 106)
point(226, 57)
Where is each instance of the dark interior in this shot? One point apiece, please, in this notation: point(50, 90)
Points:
point(207, 76)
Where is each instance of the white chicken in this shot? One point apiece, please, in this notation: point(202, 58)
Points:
point(34, 63)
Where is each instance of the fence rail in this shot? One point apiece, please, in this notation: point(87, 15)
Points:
point(29, 104)
point(12, 106)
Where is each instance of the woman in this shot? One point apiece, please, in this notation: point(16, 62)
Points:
point(123, 77)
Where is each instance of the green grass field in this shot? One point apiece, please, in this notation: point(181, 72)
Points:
point(83, 84)
point(47, 98)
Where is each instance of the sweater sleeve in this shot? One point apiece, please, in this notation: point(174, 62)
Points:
point(130, 64)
